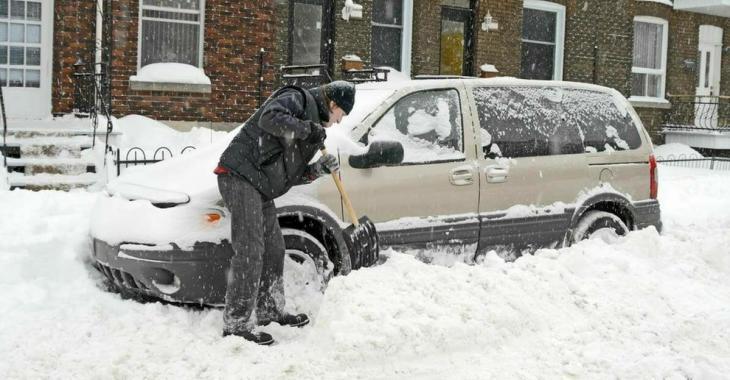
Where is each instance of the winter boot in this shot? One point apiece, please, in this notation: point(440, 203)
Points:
point(292, 320)
point(261, 338)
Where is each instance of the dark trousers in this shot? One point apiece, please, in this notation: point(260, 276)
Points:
point(255, 275)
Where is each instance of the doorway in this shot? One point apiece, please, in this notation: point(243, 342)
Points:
point(456, 41)
point(311, 32)
point(26, 48)
point(708, 86)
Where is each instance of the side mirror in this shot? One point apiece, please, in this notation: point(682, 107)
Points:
point(379, 153)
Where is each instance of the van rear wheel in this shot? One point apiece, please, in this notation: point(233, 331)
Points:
point(599, 225)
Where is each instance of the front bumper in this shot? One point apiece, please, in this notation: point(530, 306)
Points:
point(169, 273)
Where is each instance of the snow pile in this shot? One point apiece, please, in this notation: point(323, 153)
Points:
point(647, 306)
point(675, 151)
point(170, 72)
point(149, 134)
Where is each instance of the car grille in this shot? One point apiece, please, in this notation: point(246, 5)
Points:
point(120, 278)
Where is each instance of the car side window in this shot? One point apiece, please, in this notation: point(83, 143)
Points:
point(605, 125)
point(524, 122)
point(427, 123)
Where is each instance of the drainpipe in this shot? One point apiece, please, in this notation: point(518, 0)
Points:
point(98, 45)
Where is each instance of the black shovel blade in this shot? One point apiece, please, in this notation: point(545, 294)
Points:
point(362, 242)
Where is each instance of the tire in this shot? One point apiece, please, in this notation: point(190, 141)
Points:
point(307, 266)
point(599, 224)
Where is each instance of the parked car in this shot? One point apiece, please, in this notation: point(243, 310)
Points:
point(485, 163)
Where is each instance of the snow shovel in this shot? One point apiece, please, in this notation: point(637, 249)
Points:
point(361, 238)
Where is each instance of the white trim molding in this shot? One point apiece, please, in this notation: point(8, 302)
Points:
point(406, 38)
point(559, 11)
point(661, 71)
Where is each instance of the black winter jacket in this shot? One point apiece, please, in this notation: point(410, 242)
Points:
point(270, 151)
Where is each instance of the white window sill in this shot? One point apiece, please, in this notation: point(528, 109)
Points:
point(138, 85)
point(648, 102)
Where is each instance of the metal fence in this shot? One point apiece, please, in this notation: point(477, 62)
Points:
point(698, 113)
point(693, 161)
point(137, 156)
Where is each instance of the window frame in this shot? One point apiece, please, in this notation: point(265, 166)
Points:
point(559, 11)
point(201, 22)
point(663, 71)
point(406, 39)
point(374, 124)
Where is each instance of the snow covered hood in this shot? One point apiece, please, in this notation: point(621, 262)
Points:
point(177, 179)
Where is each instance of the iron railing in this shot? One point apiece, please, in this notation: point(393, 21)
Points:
point(690, 112)
point(306, 76)
point(693, 161)
point(137, 156)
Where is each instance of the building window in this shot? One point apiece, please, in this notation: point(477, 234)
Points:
point(387, 33)
point(543, 31)
point(20, 43)
point(171, 31)
point(648, 74)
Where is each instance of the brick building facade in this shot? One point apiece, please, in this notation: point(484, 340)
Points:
point(596, 46)
point(234, 33)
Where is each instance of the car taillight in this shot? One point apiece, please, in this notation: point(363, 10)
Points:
point(653, 178)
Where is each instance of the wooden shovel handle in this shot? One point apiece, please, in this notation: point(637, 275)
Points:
point(343, 193)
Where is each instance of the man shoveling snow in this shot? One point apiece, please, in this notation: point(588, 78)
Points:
point(268, 156)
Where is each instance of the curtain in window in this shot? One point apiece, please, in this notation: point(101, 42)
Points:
point(648, 71)
point(170, 31)
point(647, 45)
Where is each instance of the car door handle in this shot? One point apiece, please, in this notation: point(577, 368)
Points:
point(496, 174)
point(461, 176)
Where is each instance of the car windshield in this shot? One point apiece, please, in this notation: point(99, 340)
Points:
point(366, 100)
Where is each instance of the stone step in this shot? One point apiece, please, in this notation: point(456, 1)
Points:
point(52, 181)
point(55, 132)
point(68, 166)
point(70, 141)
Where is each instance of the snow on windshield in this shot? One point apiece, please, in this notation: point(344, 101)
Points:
point(524, 121)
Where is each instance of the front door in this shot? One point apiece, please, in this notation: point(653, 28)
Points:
point(310, 32)
point(708, 86)
point(431, 197)
point(26, 34)
point(456, 41)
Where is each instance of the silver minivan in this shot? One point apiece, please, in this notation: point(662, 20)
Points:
point(480, 164)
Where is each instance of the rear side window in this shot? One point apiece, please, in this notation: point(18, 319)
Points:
point(605, 125)
point(524, 122)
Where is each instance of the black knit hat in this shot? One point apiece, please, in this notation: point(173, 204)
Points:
point(342, 93)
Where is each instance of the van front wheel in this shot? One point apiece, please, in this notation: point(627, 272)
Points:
point(599, 225)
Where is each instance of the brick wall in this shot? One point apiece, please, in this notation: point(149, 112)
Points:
point(502, 47)
point(73, 41)
point(426, 37)
point(683, 46)
point(353, 36)
point(235, 31)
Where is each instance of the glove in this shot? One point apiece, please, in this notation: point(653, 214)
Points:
point(326, 165)
point(317, 134)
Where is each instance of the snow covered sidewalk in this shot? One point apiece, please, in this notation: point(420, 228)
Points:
point(648, 306)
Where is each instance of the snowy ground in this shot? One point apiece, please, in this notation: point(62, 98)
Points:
point(648, 306)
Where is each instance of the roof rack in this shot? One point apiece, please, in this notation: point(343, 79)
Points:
point(428, 76)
